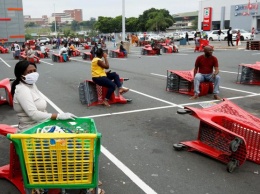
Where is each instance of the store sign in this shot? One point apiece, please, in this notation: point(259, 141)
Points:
point(246, 10)
point(207, 19)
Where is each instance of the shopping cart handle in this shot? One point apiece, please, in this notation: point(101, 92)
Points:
point(184, 111)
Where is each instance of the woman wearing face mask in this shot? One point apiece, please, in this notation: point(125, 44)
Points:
point(28, 102)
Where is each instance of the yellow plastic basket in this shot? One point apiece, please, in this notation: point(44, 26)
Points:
point(57, 160)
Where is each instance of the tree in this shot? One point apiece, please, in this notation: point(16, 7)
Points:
point(195, 24)
point(53, 27)
point(74, 25)
point(131, 24)
point(104, 24)
point(159, 20)
point(30, 24)
point(155, 19)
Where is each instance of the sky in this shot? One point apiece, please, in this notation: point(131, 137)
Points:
point(107, 8)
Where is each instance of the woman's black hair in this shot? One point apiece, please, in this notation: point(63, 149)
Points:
point(19, 70)
point(99, 52)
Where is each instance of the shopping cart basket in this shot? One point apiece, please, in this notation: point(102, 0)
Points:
point(214, 139)
point(59, 160)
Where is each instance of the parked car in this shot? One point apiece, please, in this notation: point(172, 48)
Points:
point(213, 35)
point(178, 35)
point(44, 40)
point(155, 37)
point(245, 35)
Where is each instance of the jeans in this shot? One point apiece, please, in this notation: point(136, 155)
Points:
point(206, 77)
point(108, 83)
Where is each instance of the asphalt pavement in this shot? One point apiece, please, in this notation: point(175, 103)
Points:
point(137, 138)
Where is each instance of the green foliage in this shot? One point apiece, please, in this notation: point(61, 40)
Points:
point(30, 24)
point(104, 24)
point(152, 19)
point(66, 33)
point(75, 25)
point(158, 20)
point(131, 24)
point(195, 24)
point(28, 37)
point(53, 27)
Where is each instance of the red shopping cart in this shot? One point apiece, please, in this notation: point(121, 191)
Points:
point(214, 138)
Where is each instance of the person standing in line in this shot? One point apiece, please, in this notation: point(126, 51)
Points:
point(253, 33)
point(219, 34)
point(206, 69)
point(229, 37)
point(238, 37)
point(187, 38)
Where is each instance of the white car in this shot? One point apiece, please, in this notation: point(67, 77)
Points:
point(178, 35)
point(245, 35)
point(213, 35)
point(44, 40)
point(154, 36)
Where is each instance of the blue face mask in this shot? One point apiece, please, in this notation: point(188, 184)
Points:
point(31, 78)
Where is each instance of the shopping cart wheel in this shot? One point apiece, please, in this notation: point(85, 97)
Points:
point(183, 111)
point(178, 146)
point(234, 144)
point(231, 166)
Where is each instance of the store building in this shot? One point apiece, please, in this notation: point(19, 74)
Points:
point(11, 21)
point(222, 14)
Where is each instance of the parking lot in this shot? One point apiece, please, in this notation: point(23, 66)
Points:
point(137, 154)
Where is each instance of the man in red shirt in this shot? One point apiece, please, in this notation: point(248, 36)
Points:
point(203, 71)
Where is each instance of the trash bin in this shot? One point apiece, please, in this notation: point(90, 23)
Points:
point(126, 45)
point(183, 41)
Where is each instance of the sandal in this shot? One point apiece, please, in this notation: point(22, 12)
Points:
point(100, 191)
point(123, 90)
point(105, 103)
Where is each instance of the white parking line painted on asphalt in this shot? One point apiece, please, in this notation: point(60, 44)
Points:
point(243, 91)
point(142, 185)
point(229, 72)
point(255, 53)
point(5, 62)
point(158, 99)
point(45, 62)
point(83, 61)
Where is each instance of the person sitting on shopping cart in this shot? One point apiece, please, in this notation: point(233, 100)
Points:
point(64, 52)
point(203, 71)
point(110, 80)
point(155, 47)
point(28, 101)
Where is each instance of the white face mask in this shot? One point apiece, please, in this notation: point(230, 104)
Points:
point(31, 78)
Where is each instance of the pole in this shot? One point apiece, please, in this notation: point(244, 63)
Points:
point(123, 20)
point(55, 21)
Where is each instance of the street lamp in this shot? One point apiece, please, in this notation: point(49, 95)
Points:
point(123, 20)
point(55, 21)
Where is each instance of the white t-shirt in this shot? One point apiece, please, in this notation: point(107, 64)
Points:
point(63, 50)
point(16, 47)
point(29, 105)
point(43, 48)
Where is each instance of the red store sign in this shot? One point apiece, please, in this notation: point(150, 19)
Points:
point(207, 19)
